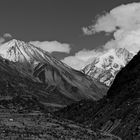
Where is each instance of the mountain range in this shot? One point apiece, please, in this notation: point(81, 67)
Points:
point(24, 113)
point(99, 102)
point(63, 85)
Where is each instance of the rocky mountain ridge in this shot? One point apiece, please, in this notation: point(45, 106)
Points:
point(105, 67)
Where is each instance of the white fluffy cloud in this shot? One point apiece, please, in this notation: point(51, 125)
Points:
point(124, 22)
point(52, 46)
point(7, 35)
point(126, 17)
point(81, 58)
point(4, 37)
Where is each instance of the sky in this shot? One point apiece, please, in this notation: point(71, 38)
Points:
point(64, 27)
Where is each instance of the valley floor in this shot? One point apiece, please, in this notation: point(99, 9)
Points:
point(40, 126)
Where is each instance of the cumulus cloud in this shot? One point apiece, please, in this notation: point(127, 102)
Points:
point(52, 46)
point(124, 17)
point(82, 58)
point(124, 22)
point(2, 40)
point(5, 37)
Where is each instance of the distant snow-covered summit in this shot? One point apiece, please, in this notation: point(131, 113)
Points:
point(105, 67)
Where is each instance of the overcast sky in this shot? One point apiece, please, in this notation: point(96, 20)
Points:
point(56, 23)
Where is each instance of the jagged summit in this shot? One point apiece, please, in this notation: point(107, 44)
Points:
point(105, 67)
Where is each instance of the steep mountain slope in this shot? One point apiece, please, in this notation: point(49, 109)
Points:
point(105, 67)
point(23, 111)
point(119, 112)
point(60, 78)
point(15, 83)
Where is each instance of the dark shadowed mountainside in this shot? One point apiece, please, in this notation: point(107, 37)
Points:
point(119, 112)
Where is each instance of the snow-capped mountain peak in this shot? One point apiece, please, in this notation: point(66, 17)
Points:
point(13, 50)
point(105, 67)
point(19, 51)
point(62, 79)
